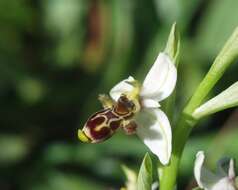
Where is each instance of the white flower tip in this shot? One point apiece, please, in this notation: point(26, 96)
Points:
point(200, 155)
point(131, 79)
point(198, 167)
point(122, 88)
point(155, 186)
point(231, 170)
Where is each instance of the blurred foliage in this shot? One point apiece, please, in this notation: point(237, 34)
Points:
point(56, 56)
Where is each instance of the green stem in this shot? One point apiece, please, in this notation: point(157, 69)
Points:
point(168, 174)
point(169, 106)
point(225, 58)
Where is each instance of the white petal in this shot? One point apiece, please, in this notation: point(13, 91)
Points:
point(231, 170)
point(226, 169)
point(155, 186)
point(121, 87)
point(161, 79)
point(150, 103)
point(155, 131)
point(205, 179)
point(223, 167)
point(223, 184)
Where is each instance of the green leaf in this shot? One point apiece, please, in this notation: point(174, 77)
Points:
point(144, 180)
point(226, 99)
point(225, 58)
point(172, 49)
point(173, 44)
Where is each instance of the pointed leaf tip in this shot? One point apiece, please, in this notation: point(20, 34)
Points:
point(144, 180)
point(226, 99)
point(173, 44)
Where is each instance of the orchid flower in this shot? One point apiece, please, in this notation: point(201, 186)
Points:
point(153, 126)
point(224, 179)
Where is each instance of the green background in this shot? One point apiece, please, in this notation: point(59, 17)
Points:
point(56, 56)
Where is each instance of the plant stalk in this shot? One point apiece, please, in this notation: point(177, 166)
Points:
point(228, 54)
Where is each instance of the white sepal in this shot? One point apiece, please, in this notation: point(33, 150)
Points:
point(155, 131)
point(161, 79)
